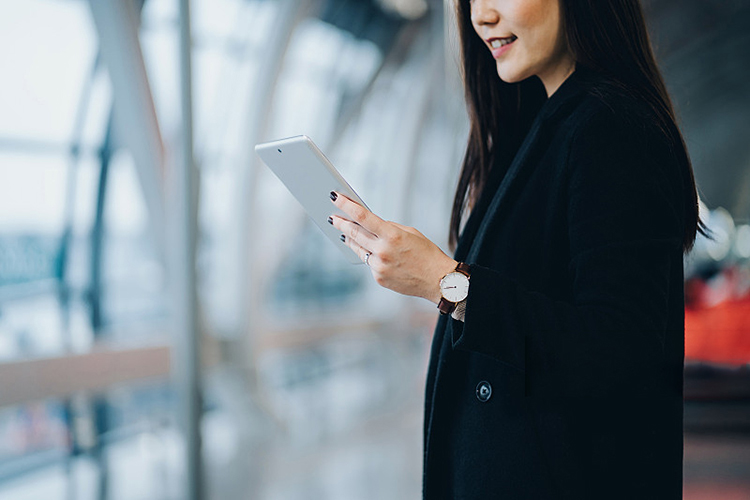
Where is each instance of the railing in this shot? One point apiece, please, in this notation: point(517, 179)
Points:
point(42, 378)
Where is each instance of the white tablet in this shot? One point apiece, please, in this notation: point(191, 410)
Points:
point(310, 177)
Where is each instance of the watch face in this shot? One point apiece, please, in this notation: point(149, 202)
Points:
point(455, 287)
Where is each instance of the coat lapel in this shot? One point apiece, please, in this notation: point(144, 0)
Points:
point(522, 159)
point(531, 148)
point(477, 213)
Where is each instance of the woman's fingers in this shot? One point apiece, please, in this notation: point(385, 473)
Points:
point(401, 258)
point(357, 213)
point(354, 232)
point(359, 250)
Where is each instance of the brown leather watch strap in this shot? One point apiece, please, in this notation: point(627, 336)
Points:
point(464, 268)
point(446, 306)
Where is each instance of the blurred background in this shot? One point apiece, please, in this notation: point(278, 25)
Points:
point(276, 370)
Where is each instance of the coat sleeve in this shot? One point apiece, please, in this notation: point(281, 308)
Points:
point(624, 229)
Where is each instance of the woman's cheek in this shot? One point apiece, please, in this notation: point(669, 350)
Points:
point(524, 14)
point(535, 20)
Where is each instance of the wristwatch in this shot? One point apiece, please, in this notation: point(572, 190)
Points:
point(454, 287)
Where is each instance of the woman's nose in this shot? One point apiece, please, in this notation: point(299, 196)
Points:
point(484, 12)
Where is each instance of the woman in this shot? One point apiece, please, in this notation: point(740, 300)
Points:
point(556, 366)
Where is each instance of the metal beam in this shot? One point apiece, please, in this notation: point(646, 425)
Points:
point(136, 123)
point(354, 108)
point(187, 372)
point(97, 234)
point(44, 147)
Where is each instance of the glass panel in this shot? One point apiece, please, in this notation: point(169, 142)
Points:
point(32, 197)
point(133, 276)
point(48, 37)
point(90, 447)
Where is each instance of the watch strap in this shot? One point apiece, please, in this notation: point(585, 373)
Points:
point(463, 268)
point(446, 306)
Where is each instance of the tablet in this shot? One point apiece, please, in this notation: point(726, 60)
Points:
point(310, 177)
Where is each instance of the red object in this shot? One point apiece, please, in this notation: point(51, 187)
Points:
point(719, 333)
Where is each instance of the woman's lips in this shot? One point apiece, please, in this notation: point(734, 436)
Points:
point(504, 45)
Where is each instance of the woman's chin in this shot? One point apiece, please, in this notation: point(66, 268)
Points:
point(508, 75)
point(511, 75)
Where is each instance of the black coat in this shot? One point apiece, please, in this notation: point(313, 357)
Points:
point(565, 381)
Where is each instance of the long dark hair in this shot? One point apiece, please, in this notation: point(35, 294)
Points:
point(607, 36)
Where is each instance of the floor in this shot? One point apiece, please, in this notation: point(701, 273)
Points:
point(342, 421)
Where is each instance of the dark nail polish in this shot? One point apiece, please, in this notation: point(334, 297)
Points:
point(334, 196)
point(343, 238)
point(330, 220)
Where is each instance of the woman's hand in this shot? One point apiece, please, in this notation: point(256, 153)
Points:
point(401, 258)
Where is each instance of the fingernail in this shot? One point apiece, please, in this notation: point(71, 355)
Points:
point(343, 238)
point(330, 220)
point(334, 196)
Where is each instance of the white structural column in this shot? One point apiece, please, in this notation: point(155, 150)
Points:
point(186, 340)
point(137, 127)
point(135, 114)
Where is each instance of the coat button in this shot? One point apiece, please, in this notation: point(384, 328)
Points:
point(484, 391)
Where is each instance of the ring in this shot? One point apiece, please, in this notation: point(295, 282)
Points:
point(367, 259)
